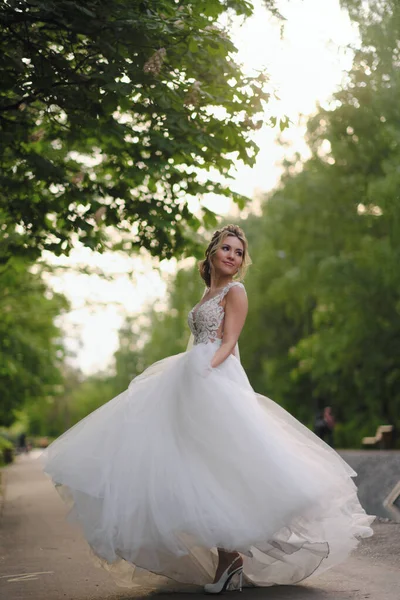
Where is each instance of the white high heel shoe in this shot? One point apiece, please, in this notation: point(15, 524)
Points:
point(223, 582)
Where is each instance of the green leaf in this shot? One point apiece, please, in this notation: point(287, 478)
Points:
point(193, 46)
point(209, 218)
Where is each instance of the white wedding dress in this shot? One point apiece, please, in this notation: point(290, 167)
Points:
point(186, 460)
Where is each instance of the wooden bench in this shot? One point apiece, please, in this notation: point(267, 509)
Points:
point(382, 440)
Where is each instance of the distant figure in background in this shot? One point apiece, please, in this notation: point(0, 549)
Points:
point(330, 425)
point(325, 425)
point(22, 447)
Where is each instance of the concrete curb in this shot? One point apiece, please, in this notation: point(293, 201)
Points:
point(2, 490)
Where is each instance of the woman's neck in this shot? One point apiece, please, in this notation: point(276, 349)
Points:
point(219, 283)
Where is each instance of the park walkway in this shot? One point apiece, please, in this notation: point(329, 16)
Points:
point(44, 558)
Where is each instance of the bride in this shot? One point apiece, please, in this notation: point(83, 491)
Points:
point(190, 475)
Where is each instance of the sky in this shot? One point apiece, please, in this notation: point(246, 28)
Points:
point(306, 65)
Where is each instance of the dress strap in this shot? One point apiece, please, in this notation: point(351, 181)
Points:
point(231, 285)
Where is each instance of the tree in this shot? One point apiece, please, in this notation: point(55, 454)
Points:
point(112, 114)
point(324, 289)
point(31, 349)
point(330, 252)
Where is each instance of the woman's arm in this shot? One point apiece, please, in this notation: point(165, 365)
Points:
point(235, 316)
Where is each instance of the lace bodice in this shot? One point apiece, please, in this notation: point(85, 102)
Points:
point(206, 318)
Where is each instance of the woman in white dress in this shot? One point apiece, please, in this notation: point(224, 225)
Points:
point(189, 475)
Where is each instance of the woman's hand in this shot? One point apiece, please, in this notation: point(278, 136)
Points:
point(206, 371)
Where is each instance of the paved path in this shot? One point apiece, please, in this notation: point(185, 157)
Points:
point(378, 476)
point(44, 558)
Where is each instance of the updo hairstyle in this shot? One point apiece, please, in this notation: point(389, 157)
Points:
point(217, 241)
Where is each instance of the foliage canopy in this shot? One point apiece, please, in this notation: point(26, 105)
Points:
point(109, 110)
point(31, 347)
point(324, 289)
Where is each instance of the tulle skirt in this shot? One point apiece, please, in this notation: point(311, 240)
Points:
point(181, 464)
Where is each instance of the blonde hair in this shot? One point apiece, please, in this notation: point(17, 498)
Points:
point(216, 242)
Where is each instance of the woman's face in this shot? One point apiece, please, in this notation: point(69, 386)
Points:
point(229, 256)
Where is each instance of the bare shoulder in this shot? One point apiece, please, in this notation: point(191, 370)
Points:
point(237, 287)
point(237, 290)
point(236, 296)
